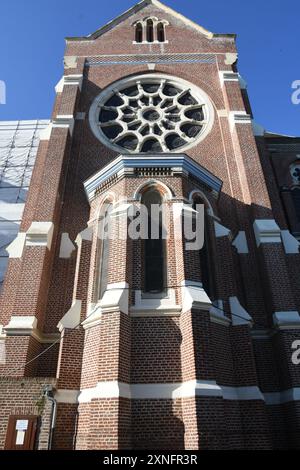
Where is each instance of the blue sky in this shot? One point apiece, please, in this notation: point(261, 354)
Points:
point(32, 46)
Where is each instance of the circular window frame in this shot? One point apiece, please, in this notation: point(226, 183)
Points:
point(123, 83)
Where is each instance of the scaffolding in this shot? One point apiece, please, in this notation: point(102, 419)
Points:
point(19, 142)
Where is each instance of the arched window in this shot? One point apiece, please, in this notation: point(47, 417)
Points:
point(154, 247)
point(103, 252)
point(205, 253)
point(160, 32)
point(139, 32)
point(149, 31)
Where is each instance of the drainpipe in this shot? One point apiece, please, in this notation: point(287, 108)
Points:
point(48, 393)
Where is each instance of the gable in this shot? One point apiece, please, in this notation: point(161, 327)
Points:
point(147, 8)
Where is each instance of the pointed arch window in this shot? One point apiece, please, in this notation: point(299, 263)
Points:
point(139, 32)
point(103, 251)
point(160, 32)
point(150, 30)
point(205, 257)
point(153, 245)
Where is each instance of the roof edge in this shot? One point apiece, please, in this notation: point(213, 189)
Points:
point(136, 8)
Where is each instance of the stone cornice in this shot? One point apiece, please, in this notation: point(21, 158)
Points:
point(181, 163)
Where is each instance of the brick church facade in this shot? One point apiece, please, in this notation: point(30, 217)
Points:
point(117, 343)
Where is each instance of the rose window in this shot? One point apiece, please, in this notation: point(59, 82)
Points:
point(150, 114)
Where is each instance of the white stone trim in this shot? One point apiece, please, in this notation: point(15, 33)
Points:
point(84, 235)
point(66, 396)
point(66, 246)
point(240, 243)
point(71, 319)
point(115, 298)
point(194, 296)
point(40, 234)
point(290, 243)
point(64, 121)
point(240, 316)
point(238, 117)
point(172, 391)
point(70, 61)
point(285, 396)
point(220, 230)
point(21, 325)
point(202, 98)
point(160, 305)
point(94, 316)
point(230, 58)
point(46, 133)
point(266, 231)
point(16, 247)
point(286, 320)
point(228, 76)
point(222, 113)
point(74, 80)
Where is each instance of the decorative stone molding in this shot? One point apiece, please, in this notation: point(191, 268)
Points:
point(21, 325)
point(286, 320)
point(85, 235)
point(40, 234)
point(230, 58)
point(71, 319)
point(64, 122)
point(115, 298)
point(194, 297)
point(240, 316)
point(228, 76)
point(174, 161)
point(290, 243)
point(221, 231)
point(155, 305)
point(73, 80)
point(26, 325)
point(16, 247)
point(239, 117)
point(70, 61)
point(66, 246)
point(94, 316)
point(124, 118)
point(266, 231)
point(46, 133)
point(240, 243)
point(66, 396)
point(171, 391)
point(223, 113)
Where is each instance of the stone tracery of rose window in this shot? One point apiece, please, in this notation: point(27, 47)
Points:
point(151, 114)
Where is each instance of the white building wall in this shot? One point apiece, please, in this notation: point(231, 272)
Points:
point(18, 147)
